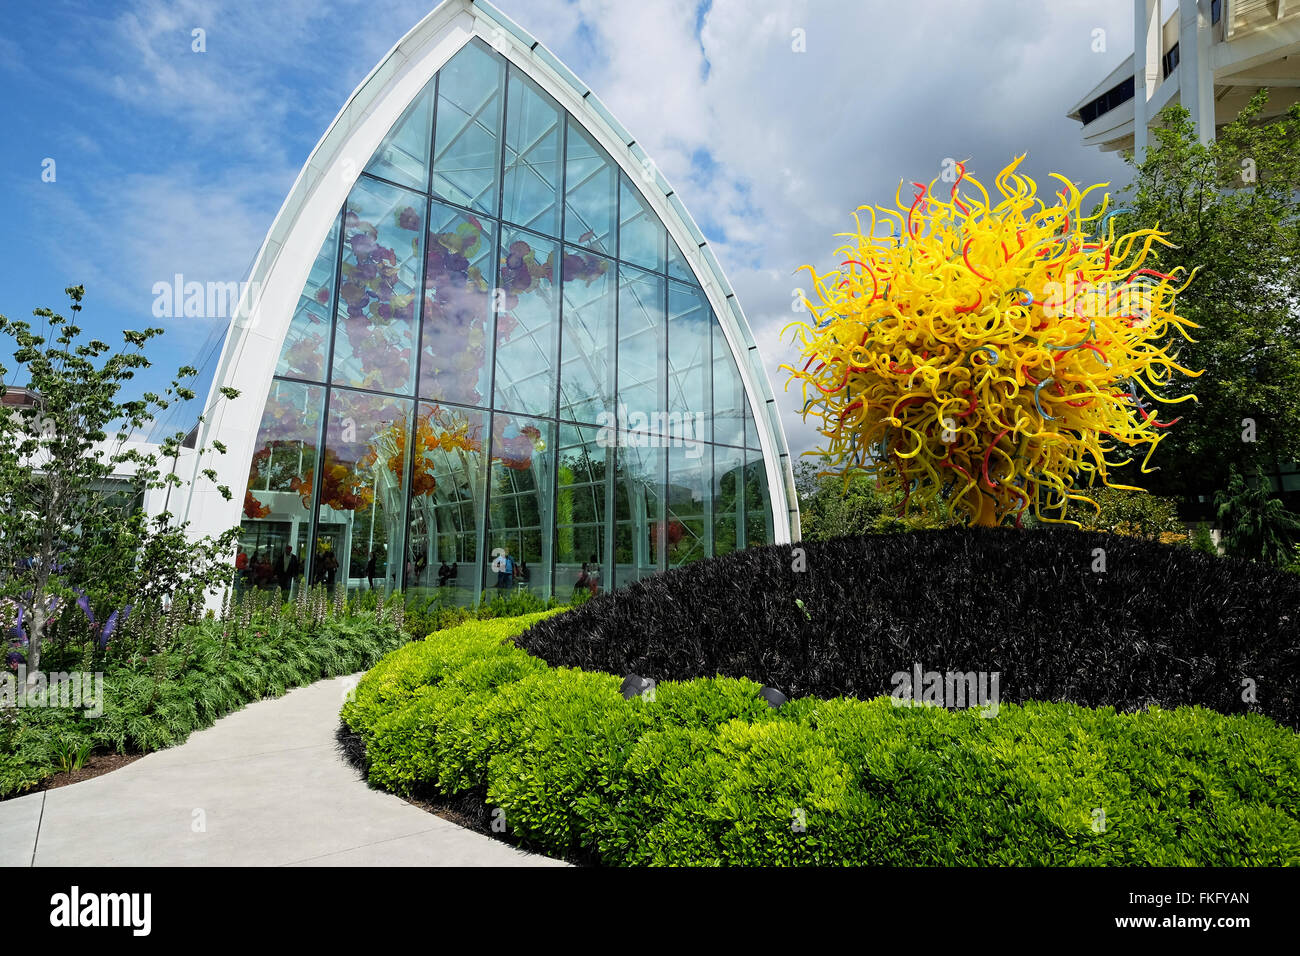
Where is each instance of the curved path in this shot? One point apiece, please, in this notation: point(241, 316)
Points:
point(264, 786)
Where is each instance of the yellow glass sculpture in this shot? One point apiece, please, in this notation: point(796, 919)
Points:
point(990, 356)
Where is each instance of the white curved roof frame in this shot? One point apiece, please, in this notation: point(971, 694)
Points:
point(284, 261)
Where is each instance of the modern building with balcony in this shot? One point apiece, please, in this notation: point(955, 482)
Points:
point(1211, 56)
point(484, 323)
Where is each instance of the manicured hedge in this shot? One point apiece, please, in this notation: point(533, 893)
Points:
point(1160, 625)
point(706, 773)
point(211, 669)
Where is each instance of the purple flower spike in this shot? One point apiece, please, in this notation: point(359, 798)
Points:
point(83, 602)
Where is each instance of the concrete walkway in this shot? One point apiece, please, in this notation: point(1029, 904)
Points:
point(264, 786)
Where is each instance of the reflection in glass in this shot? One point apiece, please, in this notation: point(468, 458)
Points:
point(687, 531)
point(641, 235)
point(728, 394)
point(361, 494)
point(591, 193)
point(465, 154)
point(448, 485)
point(374, 339)
point(403, 156)
point(455, 359)
point(641, 348)
point(527, 324)
point(277, 502)
point(521, 516)
point(587, 347)
point(689, 365)
point(580, 534)
point(638, 511)
point(303, 352)
point(758, 502)
point(677, 267)
point(751, 429)
point(531, 183)
point(728, 471)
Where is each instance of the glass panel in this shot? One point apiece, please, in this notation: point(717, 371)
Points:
point(641, 351)
point(465, 155)
point(687, 532)
point(362, 496)
point(580, 529)
point(728, 394)
point(448, 484)
point(521, 504)
point(303, 353)
point(689, 366)
point(455, 360)
point(591, 185)
point(277, 501)
point(374, 335)
point(728, 468)
point(638, 510)
point(527, 324)
point(403, 156)
point(677, 267)
point(641, 235)
point(758, 503)
point(751, 429)
point(531, 185)
point(587, 348)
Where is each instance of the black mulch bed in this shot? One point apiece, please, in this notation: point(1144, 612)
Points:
point(1161, 625)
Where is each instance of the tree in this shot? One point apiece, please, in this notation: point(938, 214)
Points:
point(831, 508)
point(1255, 525)
point(1232, 211)
point(72, 530)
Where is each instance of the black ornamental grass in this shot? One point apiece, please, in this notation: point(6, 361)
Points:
point(1160, 625)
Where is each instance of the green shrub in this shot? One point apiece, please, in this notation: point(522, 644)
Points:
point(1203, 540)
point(1139, 514)
point(705, 773)
point(156, 694)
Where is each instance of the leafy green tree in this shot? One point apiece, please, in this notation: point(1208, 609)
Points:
point(830, 508)
point(1255, 524)
point(69, 531)
point(1232, 211)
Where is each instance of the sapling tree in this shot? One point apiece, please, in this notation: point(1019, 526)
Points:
point(73, 528)
point(1255, 525)
point(1231, 209)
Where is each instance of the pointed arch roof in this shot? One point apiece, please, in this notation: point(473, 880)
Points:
point(284, 260)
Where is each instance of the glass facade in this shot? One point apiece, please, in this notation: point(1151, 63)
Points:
point(500, 350)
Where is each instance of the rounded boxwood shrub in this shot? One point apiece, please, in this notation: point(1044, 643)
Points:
point(706, 773)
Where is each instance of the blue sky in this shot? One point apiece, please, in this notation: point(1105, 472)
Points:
point(173, 161)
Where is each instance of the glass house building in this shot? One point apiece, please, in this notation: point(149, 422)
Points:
point(483, 322)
